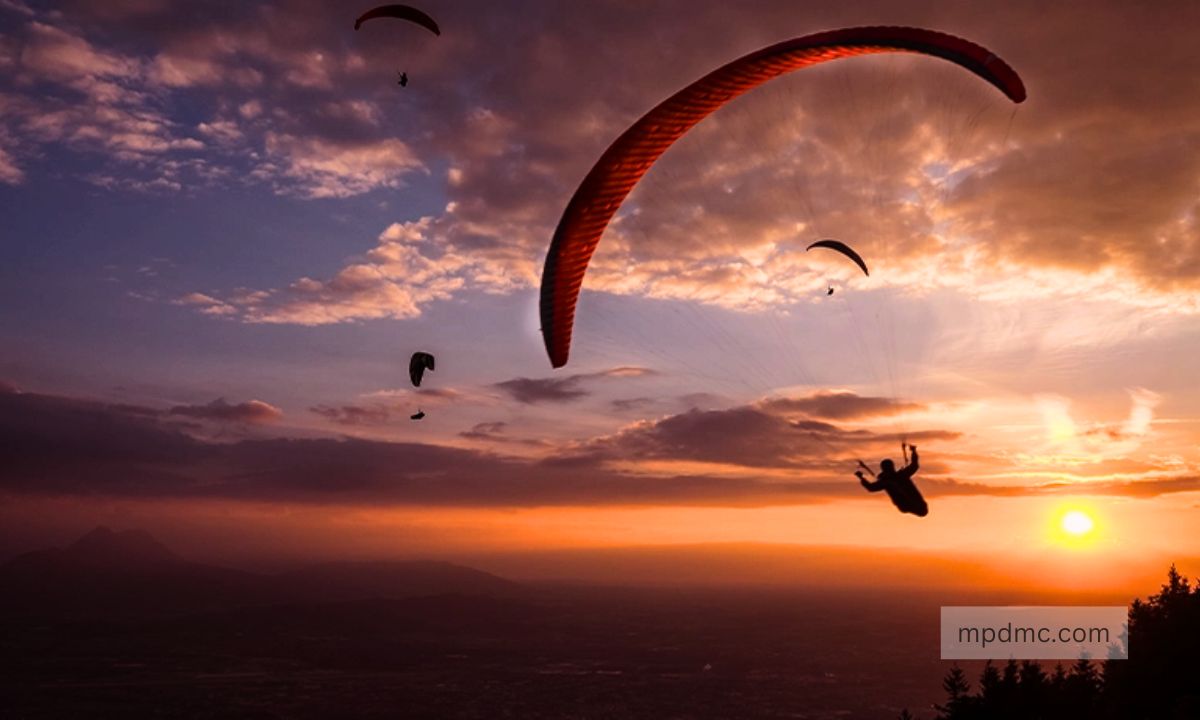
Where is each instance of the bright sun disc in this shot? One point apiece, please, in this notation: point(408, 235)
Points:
point(1076, 523)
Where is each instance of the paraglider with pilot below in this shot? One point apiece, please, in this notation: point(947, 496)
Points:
point(843, 248)
point(417, 365)
point(898, 484)
point(400, 12)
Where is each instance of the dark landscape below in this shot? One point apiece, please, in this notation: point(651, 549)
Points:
point(118, 626)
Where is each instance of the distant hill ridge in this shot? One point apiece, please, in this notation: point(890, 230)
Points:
point(130, 573)
point(103, 549)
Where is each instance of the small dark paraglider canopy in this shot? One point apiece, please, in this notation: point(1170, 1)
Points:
point(843, 248)
point(417, 416)
point(399, 12)
point(417, 365)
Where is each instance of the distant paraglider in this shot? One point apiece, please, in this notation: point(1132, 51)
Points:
point(417, 365)
point(400, 12)
point(630, 157)
point(843, 248)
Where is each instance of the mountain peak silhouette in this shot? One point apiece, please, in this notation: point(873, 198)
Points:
point(127, 549)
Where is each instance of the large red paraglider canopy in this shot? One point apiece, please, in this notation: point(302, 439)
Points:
point(620, 168)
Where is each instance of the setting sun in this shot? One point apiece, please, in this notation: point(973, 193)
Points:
point(1077, 523)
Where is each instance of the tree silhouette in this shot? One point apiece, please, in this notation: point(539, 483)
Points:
point(991, 688)
point(960, 702)
point(1031, 690)
point(1081, 690)
point(1158, 681)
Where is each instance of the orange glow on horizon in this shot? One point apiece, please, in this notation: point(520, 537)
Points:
point(1128, 548)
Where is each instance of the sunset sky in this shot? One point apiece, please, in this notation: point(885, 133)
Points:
point(225, 228)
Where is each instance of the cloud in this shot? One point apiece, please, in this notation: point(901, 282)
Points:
point(750, 437)
point(839, 405)
point(61, 446)
point(1141, 415)
point(354, 414)
point(10, 172)
point(739, 436)
point(142, 79)
point(17, 6)
point(320, 168)
point(222, 132)
point(206, 304)
point(108, 432)
point(251, 412)
point(1065, 436)
point(54, 54)
point(55, 445)
point(438, 396)
point(64, 446)
point(403, 273)
point(497, 432)
point(1150, 488)
point(68, 91)
point(532, 391)
point(485, 431)
point(1142, 489)
point(632, 404)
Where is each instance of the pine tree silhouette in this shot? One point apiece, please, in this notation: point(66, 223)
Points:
point(1160, 678)
point(960, 702)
